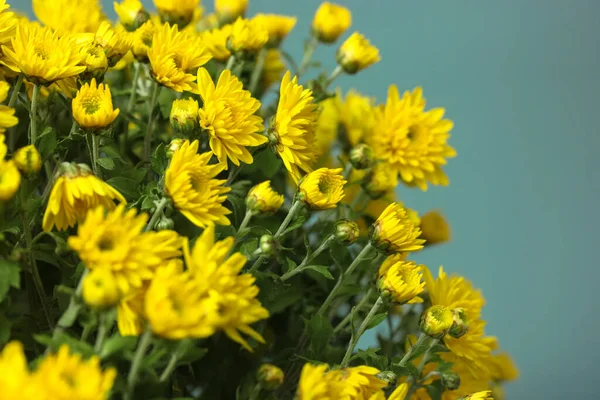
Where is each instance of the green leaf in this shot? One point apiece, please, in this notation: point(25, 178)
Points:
point(319, 332)
point(5, 326)
point(321, 269)
point(46, 142)
point(369, 355)
point(376, 320)
point(435, 390)
point(147, 203)
point(159, 159)
point(296, 223)
point(9, 277)
point(188, 351)
point(274, 294)
point(127, 187)
point(406, 370)
point(290, 265)
point(248, 247)
point(61, 338)
point(106, 163)
point(118, 344)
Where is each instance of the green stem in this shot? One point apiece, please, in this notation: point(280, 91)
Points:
point(309, 257)
point(93, 145)
point(86, 332)
point(102, 330)
point(363, 327)
point(419, 341)
point(157, 213)
point(16, 91)
point(358, 199)
point(170, 367)
point(230, 62)
point(33, 114)
point(348, 317)
point(361, 256)
point(336, 72)
point(137, 361)
point(70, 314)
point(308, 53)
point(258, 69)
point(133, 95)
point(149, 127)
point(415, 385)
point(347, 171)
point(291, 214)
point(245, 222)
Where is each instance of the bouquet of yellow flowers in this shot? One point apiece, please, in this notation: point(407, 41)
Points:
point(184, 216)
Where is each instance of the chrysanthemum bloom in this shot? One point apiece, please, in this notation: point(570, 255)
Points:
point(327, 125)
point(15, 379)
point(42, 55)
point(228, 117)
point(293, 131)
point(190, 182)
point(175, 56)
point(184, 115)
point(380, 180)
point(474, 347)
point(7, 114)
point(270, 376)
point(273, 68)
point(323, 188)
point(69, 16)
point(116, 241)
point(399, 393)
point(278, 26)
point(434, 228)
point(262, 199)
point(229, 10)
point(131, 13)
point(28, 159)
point(247, 36)
point(93, 106)
point(75, 192)
point(330, 22)
point(503, 368)
point(395, 232)
point(402, 283)
point(412, 140)
point(357, 117)
point(100, 289)
point(130, 311)
point(116, 42)
point(10, 178)
point(8, 23)
point(215, 41)
point(436, 321)
point(356, 54)
point(142, 40)
point(483, 395)
point(95, 62)
point(314, 383)
point(67, 376)
point(179, 12)
point(359, 382)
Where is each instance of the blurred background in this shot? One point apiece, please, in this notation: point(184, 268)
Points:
point(521, 81)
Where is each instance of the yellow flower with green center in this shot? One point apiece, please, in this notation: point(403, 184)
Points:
point(142, 40)
point(66, 375)
point(323, 188)
point(179, 12)
point(229, 10)
point(381, 179)
point(412, 140)
point(69, 16)
point(74, 193)
point(95, 61)
point(175, 56)
point(435, 228)
point(100, 290)
point(293, 131)
point(28, 159)
point(357, 53)
point(277, 26)
point(93, 106)
point(356, 116)
point(8, 22)
point(131, 13)
point(395, 232)
point(436, 321)
point(402, 282)
point(330, 22)
point(43, 55)
point(273, 68)
point(228, 117)
point(15, 379)
point(184, 115)
point(117, 241)
point(116, 42)
point(262, 199)
point(7, 114)
point(191, 184)
point(317, 383)
point(247, 36)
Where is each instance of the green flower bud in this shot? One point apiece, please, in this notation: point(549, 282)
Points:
point(460, 324)
point(450, 380)
point(268, 245)
point(346, 232)
point(165, 223)
point(174, 146)
point(361, 156)
point(387, 376)
point(270, 376)
point(436, 321)
point(184, 116)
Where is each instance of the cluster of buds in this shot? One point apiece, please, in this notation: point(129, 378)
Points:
point(437, 321)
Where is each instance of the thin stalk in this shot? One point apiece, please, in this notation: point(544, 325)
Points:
point(291, 214)
point(33, 114)
point(245, 222)
point(12, 133)
point(102, 330)
point(137, 362)
point(93, 144)
point(230, 62)
point(334, 74)
point(258, 69)
point(86, 332)
point(309, 257)
point(348, 317)
point(133, 95)
point(308, 53)
point(170, 367)
point(347, 171)
point(415, 385)
point(419, 341)
point(363, 327)
point(358, 199)
point(72, 310)
point(149, 127)
point(157, 213)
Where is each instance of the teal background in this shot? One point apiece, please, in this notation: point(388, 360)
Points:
point(520, 78)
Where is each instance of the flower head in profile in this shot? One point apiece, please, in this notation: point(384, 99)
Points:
point(8, 22)
point(474, 348)
point(215, 41)
point(229, 10)
point(262, 199)
point(314, 383)
point(180, 12)
point(273, 68)
point(436, 321)
point(75, 192)
point(131, 13)
point(356, 116)
point(402, 282)
point(322, 188)
point(270, 376)
point(278, 26)
point(66, 375)
point(28, 159)
point(10, 178)
point(94, 60)
point(412, 140)
point(69, 16)
point(248, 35)
point(15, 379)
point(184, 115)
point(143, 38)
point(191, 184)
point(435, 228)
point(93, 106)
point(42, 55)
point(7, 114)
point(483, 395)
point(228, 117)
point(357, 53)
point(330, 22)
point(115, 42)
point(293, 131)
point(380, 180)
point(359, 382)
point(395, 232)
point(175, 56)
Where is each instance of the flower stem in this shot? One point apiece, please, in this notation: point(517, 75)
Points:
point(137, 361)
point(16, 91)
point(33, 113)
point(245, 222)
point(361, 256)
point(313, 42)
point(291, 214)
point(419, 341)
point(133, 95)
point(348, 317)
point(157, 213)
point(70, 314)
point(363, 327)
point(170, 367)
point(148, 137)
point(415, 385)
point(102, 330)
point(336, 72)
point(309, 257)
point(257, 72)
point(93, 145)
point(230, 62)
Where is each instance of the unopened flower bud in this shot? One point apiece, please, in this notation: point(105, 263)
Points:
point(356, 54)
point(346, 232)
point(174, 146)
point(268, 245)
point(100, 289)
point(179, 13)
point(361, 156)
point(436, 321)
point(229, 10)
point(184, 116)
point(164, 224)
point(330, 22)
point(270, 376)
point(460, 324)
point(450, 380)
point(434, 228)
point(387, 376)
point(262, 199)
point(28, 159)
point(95, 61)
point(131, 14)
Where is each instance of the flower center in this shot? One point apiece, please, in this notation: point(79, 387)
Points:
point(91, 103)
point(325, 185)
point(106, 244)
point(41, 51)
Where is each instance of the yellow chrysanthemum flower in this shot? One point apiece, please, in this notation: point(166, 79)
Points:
point(357, 53)
point(7, 114)
point(399, 393)
point(395, 232)
point(474, 348)
point(436, 321)
point(356, 116)
point(190, 182)
point(179, 12)
point(116, 42)
point(95, 62)
point(43, 55)
point(15, 380)
point(293, 133)
point(358, 382)
point(215, 41)
point(313, 383)
point(434, 228)
point(175, 56)
point(412, 140)
point(100, 290)
point(503, 368)
point(234, 293)
point(10, 178)
point(143, 38)
point(402, 282)
point(278, 26)
point(116, 241)
point(67, 376)
point(322, 189)
point(8, 22)
point(130, 311)
point(262, 199)
point(248, 35)
point(184, 115)
point(327, 124)
point(483, 395)
point(229, 10)
point(28, 159)
point(69, 16)
point(273, 68)
point(331, 21)
point(380, 180)
point(74, 193)
point(228, 117)
point(93, 106)
point(131, 13)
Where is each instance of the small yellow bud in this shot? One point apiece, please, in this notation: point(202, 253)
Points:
point(361, 156)
point(436, 321)
point(450, 380)
point(268, 246)
point(460, 324)
point(270, 376)
point(100, 289)
point(330, 22)
point(95, 61)
point(174, 146)
point(10, 179)
point(179, 12)
point(131, 14)
point(142, 40)
point(184, 116)
point(248, 36)
point(262, 199)
point(356, 54)
point(434, 228)
point(229, 10)
point(93, 107)
point(346, 232)
point(278, 26)
point(28, 159)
